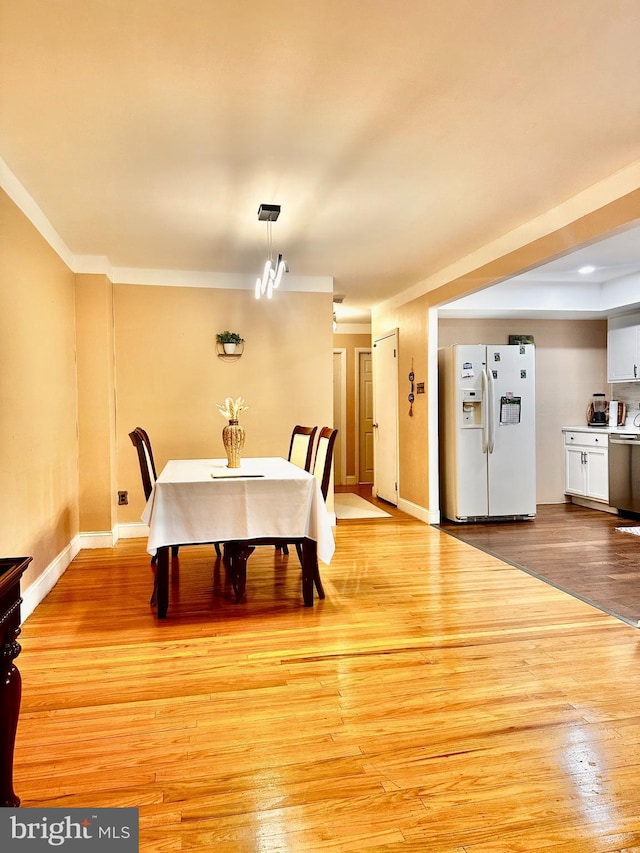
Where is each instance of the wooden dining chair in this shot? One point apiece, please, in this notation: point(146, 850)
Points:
point(140, 440)
point(324, 458)
point(142, 444)
point(300, 454)
point(301, 446)
point(322, 463)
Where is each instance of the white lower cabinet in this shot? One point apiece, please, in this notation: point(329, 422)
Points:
point(586, 465)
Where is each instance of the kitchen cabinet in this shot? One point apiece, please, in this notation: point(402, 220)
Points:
point(623, 348)
point(586, 465)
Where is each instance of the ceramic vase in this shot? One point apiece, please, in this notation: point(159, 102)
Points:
point(233, 440)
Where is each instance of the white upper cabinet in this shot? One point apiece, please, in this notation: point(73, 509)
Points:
point(623, 348)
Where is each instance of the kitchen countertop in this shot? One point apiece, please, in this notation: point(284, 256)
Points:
point(629, 429)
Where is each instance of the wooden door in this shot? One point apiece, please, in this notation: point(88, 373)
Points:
point(385, 413)
point(340, 414)
point(365, 417)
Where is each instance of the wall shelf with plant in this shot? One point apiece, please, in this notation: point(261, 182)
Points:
point(229, 345)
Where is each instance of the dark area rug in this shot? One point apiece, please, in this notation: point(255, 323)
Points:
point(577, 550)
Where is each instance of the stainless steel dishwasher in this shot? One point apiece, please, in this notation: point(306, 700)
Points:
point(624, 471)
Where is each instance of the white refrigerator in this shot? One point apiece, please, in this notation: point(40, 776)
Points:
point(487, 431)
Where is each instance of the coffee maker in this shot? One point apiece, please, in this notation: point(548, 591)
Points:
point(597, 411)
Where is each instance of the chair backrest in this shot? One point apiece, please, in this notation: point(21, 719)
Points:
point(324, 458)
point(142, 444)
point(301, 447)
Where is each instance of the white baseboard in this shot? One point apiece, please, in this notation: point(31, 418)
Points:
point(133, 530)
point(419, 512)
point(42, 586)
point(98, 539)
point(108, 538)
point(590, 504)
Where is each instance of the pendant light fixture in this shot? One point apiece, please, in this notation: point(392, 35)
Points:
point(273, 270)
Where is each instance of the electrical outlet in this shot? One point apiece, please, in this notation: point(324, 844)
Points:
point(123, 498)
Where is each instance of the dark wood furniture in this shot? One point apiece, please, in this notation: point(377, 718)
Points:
point(275, 495)
point(324, 458)
point(142, 443)
point(236, 554)
point(322, 471)
point(11, 570)
point(301, 446)
point(301, 454)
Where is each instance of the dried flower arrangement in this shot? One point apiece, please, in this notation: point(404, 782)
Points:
point(232, 408)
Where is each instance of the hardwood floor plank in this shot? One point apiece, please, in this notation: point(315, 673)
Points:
point(438, 700)
point(577, 549)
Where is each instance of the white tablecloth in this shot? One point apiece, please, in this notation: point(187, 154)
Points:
point(198, 500)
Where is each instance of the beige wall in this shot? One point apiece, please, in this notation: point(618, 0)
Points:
point(38, 413)
point(96, 403)
point(169, 378)
point(350, 343)
point(571, 364)
point(411, 321)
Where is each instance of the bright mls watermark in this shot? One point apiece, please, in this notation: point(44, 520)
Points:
point(79, 830)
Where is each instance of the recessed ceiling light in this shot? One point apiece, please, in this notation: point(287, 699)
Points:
point(586, 270)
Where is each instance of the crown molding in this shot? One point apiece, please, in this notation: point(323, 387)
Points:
point(27, 204)
point(101, 265)
point(219, 280)
point(353, 329)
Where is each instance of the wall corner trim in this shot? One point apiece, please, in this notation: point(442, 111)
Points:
point(98, 539)
point(133, 530)
point(420, 512)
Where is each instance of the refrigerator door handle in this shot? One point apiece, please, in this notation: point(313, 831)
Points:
point(490, 411)
point(485, 419)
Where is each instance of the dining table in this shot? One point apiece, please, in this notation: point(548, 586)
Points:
point(267, 500)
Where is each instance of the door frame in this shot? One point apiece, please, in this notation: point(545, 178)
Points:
point(433, 409)
point(392, 333)
point(358, 351)
point(342, 426)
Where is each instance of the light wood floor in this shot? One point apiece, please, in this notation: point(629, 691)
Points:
point(438, 701)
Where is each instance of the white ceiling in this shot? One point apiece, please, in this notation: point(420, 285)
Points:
point(397, 137)
point(559, 289)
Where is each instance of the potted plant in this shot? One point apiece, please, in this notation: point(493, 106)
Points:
point(229, 341)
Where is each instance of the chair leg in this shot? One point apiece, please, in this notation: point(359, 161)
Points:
point(216, 545)
point(174, 550)
point(299, 551)
point(154, 594)
point(318, 581)
point(236, 555)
